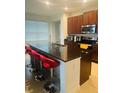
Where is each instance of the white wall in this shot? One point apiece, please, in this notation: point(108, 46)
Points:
point(34, 17)
point(63, 27)
point(52, 31)
point(55, 31)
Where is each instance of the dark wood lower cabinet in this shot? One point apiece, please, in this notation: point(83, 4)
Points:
point(95, 53)
point(85, 66)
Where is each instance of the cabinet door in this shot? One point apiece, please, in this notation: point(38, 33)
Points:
point(97, 20)
point(71, 28)
point(85, 67)
point(69, 25)
point(85, 19)
point(74, 24)
point(92, 17)
point(95, 53)
point(80, 23)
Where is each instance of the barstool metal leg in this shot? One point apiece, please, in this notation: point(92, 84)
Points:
point(51, 72)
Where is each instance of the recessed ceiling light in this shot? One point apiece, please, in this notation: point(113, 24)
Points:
point(47, 3)
point(66, 8)
point(84, 1)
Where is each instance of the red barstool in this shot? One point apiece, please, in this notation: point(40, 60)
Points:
point(50, 64)
point(28, 51)
point(33, 55)
point(35, 60)
point(38, 66)
point(26, 48)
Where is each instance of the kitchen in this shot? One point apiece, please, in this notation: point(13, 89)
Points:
point(65, 33)
point(41, 46)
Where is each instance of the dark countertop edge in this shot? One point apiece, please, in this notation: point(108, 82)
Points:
point(49, 55)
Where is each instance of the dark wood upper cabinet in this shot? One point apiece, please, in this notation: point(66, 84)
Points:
point(85, 19)
point(74, 24)
point(90, 17)
point(69, 25)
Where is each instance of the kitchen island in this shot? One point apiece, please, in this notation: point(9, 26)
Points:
point(69, 56)
point(62, 52)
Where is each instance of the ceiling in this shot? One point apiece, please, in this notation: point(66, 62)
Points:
point(56, 7)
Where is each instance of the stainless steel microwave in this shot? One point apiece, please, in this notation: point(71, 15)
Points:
point(88, 29)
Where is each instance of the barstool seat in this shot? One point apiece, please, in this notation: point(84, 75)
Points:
point(49, 63)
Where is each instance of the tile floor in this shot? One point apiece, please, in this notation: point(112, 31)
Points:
point(91, 85)
point(32, 86)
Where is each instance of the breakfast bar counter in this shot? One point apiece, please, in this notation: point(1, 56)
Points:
point(61, 52)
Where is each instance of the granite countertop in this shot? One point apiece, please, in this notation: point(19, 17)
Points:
point(65, 53)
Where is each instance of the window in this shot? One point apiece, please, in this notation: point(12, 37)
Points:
point(36, 31)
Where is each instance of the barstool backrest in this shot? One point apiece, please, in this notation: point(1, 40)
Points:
point(49, 63)
point(28, 50)
point(37, 56)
